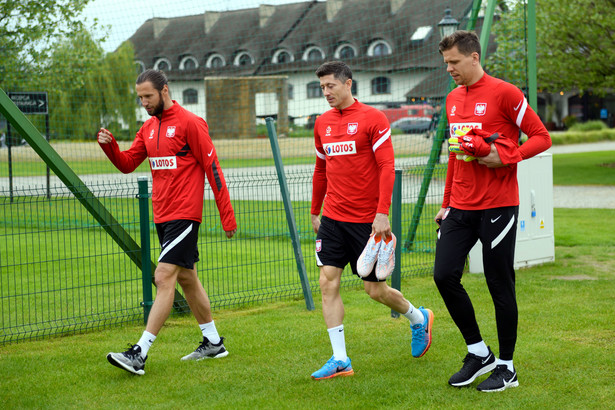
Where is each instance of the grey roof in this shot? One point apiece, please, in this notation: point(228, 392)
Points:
point(295, 27)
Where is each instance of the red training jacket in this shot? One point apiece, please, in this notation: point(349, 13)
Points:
point(180, 154)
point(492, 105)
point(355, 165)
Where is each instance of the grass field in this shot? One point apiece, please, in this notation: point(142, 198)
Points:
point(565, 355)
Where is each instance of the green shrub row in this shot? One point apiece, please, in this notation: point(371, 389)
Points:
point(576, 137)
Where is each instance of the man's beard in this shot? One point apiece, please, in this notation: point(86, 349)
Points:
point(158, 108)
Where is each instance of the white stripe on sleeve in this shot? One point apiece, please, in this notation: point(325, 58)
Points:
point(321, 156)
point(382, 139)
point(521, 113)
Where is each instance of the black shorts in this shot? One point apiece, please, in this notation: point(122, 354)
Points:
point(339, 243)
point(178, 240)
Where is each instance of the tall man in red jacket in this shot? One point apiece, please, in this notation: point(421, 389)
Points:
point(355, 171)
point(481, 202)
point(180, 154)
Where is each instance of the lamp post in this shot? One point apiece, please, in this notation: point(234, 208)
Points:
point(448, 25)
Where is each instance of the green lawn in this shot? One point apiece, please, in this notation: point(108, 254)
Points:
point(565, 355)
point(584, 168)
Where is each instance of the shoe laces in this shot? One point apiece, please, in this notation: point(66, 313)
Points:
point(134, 351)
point(501, 371)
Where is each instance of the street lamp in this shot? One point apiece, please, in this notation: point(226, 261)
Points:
point(448, 25)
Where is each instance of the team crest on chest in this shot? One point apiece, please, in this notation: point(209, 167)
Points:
point(170, 131)
point(353, 127)
point(151, 134)
point(453, 110)
point(480, 109)
point(328, 131)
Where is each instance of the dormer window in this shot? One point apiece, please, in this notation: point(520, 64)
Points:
point(140, 66)
point(188, 63)
point(379, 48)
point(215, 61)
point(282, 56)
point(345, 51)
point(162, 64)
point(313, 54)
point(243, 58)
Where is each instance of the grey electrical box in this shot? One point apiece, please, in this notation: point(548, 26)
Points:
point(535, 235)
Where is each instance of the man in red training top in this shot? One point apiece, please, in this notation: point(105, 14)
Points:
point(180, 154)
point(481, 202)
point(355, 171)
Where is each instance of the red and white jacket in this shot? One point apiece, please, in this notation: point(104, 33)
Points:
point(492, 105)
point(180, 154)
point(355, 165)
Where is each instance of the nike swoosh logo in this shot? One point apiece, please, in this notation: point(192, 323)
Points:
point(518, 105)
point(486, 359)
point(165, 244)
point(210, 152)
point(495, 220)
point(380, 132)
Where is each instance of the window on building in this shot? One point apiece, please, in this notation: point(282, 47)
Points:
point(188, 63)
point(162, 64)
point(346, 52)
point(217, 62)
point(381, 85)
point(284, 57)
point(354, 88)
point(191, 96)
point(313, 54)
point(243, 59)
point(291, 92)
point(379, 48)
point(140, 67)
point(314, 90)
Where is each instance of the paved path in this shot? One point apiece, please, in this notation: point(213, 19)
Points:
point(584, 196)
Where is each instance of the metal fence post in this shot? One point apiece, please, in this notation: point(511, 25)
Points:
point(146, 268)
point(290, 216)
point(396, 228)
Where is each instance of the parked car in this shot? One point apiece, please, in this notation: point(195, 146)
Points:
point(412, 125)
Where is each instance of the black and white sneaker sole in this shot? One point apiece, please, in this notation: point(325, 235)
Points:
point(506, 386)
point(123, 366)
point(482, 371)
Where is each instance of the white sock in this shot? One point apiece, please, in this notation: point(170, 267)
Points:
point(338, 342)
point(414, 315)
point(508, 363)
point(146, 341)
point(480, 349)
point(209, 331)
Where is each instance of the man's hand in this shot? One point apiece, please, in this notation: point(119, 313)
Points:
point(442, 214)
point(315, 223)
point(492, 160)
point(104, 136)
point(381, 226)
point(229, 234)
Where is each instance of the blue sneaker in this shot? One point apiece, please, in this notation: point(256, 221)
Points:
point(421, 334)
point(334, 368)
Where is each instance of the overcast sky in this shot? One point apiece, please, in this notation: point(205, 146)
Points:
point(126, 16)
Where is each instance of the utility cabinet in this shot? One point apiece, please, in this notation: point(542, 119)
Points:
point(535, 235)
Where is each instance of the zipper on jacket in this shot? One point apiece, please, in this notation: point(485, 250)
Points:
point(158, 139)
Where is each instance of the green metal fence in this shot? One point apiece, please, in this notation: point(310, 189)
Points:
point(70, 248)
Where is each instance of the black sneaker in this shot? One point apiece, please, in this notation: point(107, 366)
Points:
point(473, 366)
point(130, 360)
point(501, 379)
point(208, 350)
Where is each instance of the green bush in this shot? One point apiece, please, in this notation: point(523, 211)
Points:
point(594, 125)
point(570, 121)
point(577, 137)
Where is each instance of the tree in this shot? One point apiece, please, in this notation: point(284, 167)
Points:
point(98, 91)
point(46, 46)
point(28, 29)
point(575, 43)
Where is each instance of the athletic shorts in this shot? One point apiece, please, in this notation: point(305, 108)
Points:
point(178, 242)
point(339, 243)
